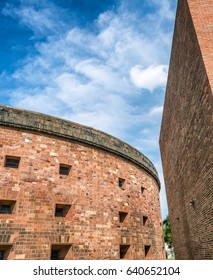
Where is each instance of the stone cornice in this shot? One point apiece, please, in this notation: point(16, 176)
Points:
point(33, 121)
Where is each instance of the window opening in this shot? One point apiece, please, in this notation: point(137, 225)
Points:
point(7, 206)
point(55, 255)
point(145, 220)
point(123, 251)
point(64, 169)
point(121, 182)
point(142, 190)
point(122, 216)
point(1, 255)
point(12, 162)
point(4, 251)
point(147, 250)
point(60, 252)
point(5, 209)
point(61, 210)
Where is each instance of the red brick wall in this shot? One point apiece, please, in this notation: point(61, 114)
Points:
point(186, 139)
point(202, 15)
point(92, 224)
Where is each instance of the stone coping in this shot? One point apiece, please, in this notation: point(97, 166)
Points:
point(29, 120)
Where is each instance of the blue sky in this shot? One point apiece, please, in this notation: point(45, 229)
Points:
point(100, 63)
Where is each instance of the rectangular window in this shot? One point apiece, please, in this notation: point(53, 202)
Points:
point(4, 251)
point(61, 252)
point(55, 255)
point(61, 210)
point(121, 182)
point(142, 190)
point(1, 255)
point(145, 220)
point(64, 169)
point(5, 209)
point(12, 162)
point(123, 251)
point(122, 216)
point(7, 206)
point(147, 252)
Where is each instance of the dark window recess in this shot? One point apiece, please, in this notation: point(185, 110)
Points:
point(5, 251)
point(145, 221)
point(6, 206)
point(12, 162)
point(5, 209)
point(142, 190)
point(147, 251)
point(55, 255)
point(60, 252)
point(64, 169)
point(121, 182)
point(61, 210)
point(123, 251)
point(1, 255)
point(122, 216)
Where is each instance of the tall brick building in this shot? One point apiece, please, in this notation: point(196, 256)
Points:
point(71, 192)
point(186, 139)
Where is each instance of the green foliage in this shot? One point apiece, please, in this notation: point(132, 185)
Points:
point(167, 234)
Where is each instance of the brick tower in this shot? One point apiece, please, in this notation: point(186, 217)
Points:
point(186, 139)
point(68, 191)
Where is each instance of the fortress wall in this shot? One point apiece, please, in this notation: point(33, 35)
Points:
point(92, 227)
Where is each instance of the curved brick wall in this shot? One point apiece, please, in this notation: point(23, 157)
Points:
point(107, 207)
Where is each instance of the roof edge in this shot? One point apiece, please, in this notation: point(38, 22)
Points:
point(38, 122)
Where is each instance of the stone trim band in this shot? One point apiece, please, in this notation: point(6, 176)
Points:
point(29, 120)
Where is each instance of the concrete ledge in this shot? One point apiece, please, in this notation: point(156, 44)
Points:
point(28, 120)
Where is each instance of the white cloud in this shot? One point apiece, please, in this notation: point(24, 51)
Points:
point(36, 20)
point(84, 75)
point(147, 140)
point(149, 78)
point(95, 78)
point(37, 101)
point(156, 111)
point(165, 9)
point(102, 75)
point(42, 18)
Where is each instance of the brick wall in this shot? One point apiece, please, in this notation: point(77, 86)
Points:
point(49, 125)
point(101, 219)
point(202, 15)
point(186, 139)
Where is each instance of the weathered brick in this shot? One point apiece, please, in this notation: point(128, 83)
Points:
point(186, 139)
point(97, 161)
